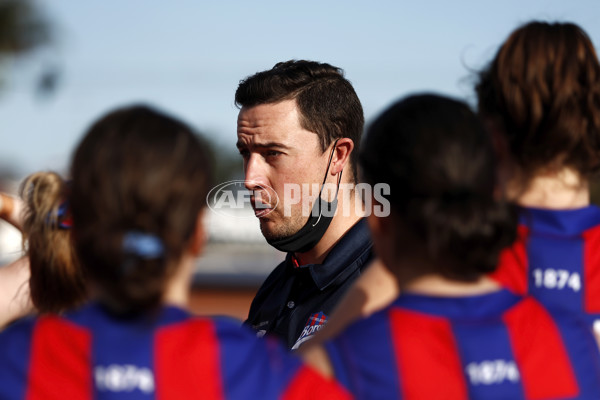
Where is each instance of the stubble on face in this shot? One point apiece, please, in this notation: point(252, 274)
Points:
point(281, 227)
point(274, 123)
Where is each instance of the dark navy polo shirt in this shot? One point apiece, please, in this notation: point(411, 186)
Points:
point(295, 302)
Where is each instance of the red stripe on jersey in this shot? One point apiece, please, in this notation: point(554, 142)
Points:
point(427, 356)
point(591, 270)
point(187, 362)
point(60, 365)
point(308, 384)
point(546, 371)
point(512, 265)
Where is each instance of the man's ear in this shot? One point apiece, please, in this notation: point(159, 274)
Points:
point(198, 239)
point(341, 155)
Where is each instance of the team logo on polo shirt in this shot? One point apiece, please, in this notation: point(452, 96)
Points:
point(313, 325)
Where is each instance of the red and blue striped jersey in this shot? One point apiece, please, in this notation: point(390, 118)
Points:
point(556, 259)
point(493, 346)
point(91, 354)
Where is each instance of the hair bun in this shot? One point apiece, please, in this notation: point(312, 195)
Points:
point(468, 227)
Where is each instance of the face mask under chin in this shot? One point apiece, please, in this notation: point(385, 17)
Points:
point(312, 232)
point(320, 218)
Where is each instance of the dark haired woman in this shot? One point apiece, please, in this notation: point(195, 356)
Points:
point(540, 100)
point(453, 332)
point(540, 96)
point(139, 185)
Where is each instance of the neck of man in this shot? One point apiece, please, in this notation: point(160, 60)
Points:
point(564, 189)
point(345, 218)
point(177, 290)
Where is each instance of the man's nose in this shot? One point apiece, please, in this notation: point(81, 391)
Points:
point(255, 173)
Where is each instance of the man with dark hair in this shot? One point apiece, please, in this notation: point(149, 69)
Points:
point(299, 127)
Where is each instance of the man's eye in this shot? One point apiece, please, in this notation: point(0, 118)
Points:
point(273, 153)
point(244, 153)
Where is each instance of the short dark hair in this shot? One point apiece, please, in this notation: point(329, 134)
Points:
point(327, 102)
point(439, 162)
point(136, 170)
point(543, 90)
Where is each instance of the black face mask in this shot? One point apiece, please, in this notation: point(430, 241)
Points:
point(320, 217)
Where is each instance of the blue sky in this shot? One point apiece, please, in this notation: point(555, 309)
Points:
point(187, 57)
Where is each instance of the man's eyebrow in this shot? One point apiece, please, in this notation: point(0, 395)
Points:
point(268, 145)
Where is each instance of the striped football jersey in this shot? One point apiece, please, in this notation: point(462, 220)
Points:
point(92, 354)
point(556, 259)
point(492, 346)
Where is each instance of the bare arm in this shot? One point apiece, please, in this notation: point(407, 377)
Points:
point(375, 289)
point(316, 356)
point(15, 301)
point(11, 210)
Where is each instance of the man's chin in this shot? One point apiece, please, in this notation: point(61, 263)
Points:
point(271, 233)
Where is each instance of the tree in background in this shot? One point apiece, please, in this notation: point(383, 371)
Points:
point(24, 29)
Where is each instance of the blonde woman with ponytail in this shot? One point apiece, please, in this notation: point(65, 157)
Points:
point(137, 196)
point(47, 278)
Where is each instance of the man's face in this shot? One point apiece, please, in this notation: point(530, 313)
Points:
point(276, 151)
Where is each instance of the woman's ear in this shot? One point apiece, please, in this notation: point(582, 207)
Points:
point(199, 236)
point(380, 226)
point(383, 233)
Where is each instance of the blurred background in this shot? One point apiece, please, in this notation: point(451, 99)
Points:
point(63, 63)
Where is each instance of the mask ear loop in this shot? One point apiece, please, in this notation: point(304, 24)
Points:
point(325, 179)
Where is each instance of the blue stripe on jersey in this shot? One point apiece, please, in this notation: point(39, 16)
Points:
point(555, 271)
point(122, 361)
point(122, 350)
point(343, 362)
point(487, 360)
point(555, 249)
point(560, 222)
point(481, 336)
point(249, 366)
point(15, 354)
point(580, 346)
point(468, 307)
point(368, 374)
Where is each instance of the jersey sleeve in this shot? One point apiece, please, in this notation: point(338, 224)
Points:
point(582, 349)
point(363, 358)
point(263, 368)
point(45, 358)
point(15, 343)
point(339, 359)
point(309, 384)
